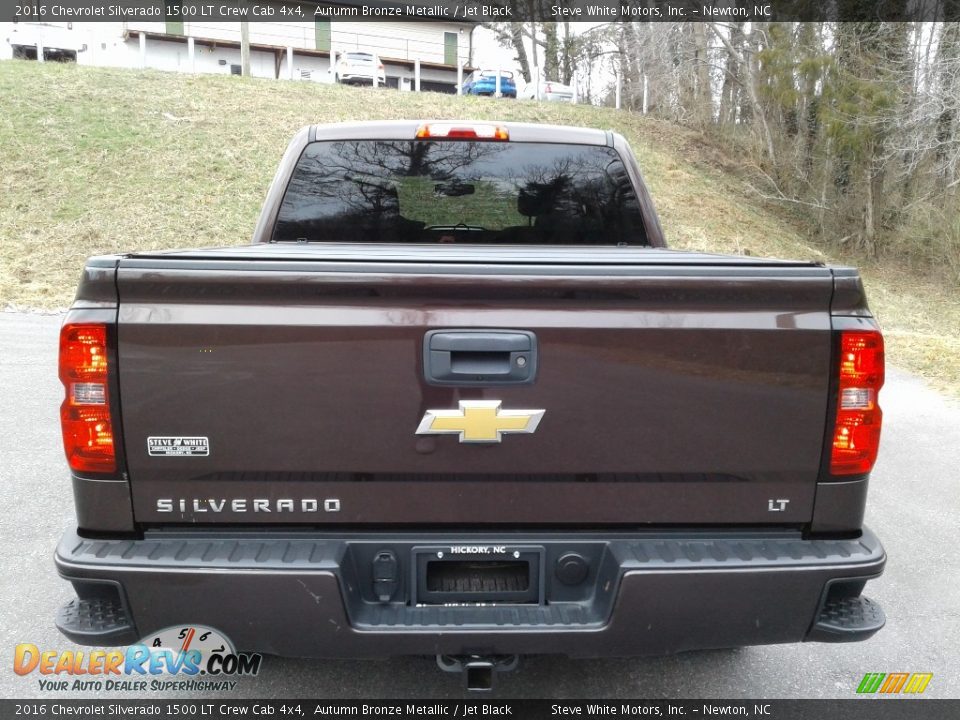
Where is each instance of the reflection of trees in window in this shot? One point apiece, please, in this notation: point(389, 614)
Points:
point(581, 195)
point(437, 160)
point(384, 191)
point(350, 187)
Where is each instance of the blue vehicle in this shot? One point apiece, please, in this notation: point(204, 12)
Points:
point(484, 82)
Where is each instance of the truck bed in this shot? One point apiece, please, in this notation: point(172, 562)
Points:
point(438, 254)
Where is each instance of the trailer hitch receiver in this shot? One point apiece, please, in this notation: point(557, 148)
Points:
point(478, 671)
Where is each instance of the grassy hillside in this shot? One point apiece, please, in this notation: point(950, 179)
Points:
point(96, 160)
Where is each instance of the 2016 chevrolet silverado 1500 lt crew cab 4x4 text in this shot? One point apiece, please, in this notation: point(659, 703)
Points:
point(459, 399)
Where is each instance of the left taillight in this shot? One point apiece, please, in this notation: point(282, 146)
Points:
point(856, 432)
point(85, 413)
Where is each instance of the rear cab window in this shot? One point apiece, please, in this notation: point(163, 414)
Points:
point(460, 192)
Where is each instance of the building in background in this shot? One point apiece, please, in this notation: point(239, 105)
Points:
point(290, 48)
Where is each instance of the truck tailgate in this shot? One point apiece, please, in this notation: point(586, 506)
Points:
point(286, 384)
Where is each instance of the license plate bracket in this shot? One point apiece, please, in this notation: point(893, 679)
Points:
point(477, 574)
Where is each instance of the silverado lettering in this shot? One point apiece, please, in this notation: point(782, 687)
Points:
point(419, 298)
point(197, 505)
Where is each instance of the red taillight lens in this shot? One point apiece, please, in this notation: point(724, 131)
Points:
point(474, 131)
point(856, 434)
point(85, 413)
point(861, 359)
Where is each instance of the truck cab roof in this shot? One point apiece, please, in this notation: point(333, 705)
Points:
point(407, 130)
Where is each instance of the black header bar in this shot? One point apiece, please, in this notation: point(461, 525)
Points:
point(477, 11)
point(491, 706)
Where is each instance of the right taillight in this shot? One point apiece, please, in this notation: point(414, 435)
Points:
point(85, 413)
point(856, 433)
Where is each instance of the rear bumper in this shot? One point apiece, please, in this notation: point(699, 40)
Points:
point(311, 595)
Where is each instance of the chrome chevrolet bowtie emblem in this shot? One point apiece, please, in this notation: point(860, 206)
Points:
point(479, 421)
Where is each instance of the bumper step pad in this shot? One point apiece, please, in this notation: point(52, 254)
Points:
point(847, 619)
point(99, 621)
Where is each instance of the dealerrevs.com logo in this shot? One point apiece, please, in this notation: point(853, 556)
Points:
point(184, 657)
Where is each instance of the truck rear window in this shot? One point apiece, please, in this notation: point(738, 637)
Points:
point(460, 192)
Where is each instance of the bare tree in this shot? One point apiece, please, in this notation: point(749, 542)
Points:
point(745, 62)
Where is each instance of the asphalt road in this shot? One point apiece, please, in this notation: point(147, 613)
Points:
point(914, 506)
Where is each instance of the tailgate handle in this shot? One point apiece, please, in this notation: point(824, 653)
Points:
point(479, 357)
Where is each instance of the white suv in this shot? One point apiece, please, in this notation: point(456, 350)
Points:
point(359, 68)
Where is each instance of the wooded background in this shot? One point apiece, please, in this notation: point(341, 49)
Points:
point(855, 125)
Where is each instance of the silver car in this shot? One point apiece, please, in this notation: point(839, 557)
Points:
point(549, 90)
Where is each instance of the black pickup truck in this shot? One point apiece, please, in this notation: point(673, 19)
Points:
point(457, 398)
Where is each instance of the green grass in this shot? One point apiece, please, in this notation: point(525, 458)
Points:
point(95, 160)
